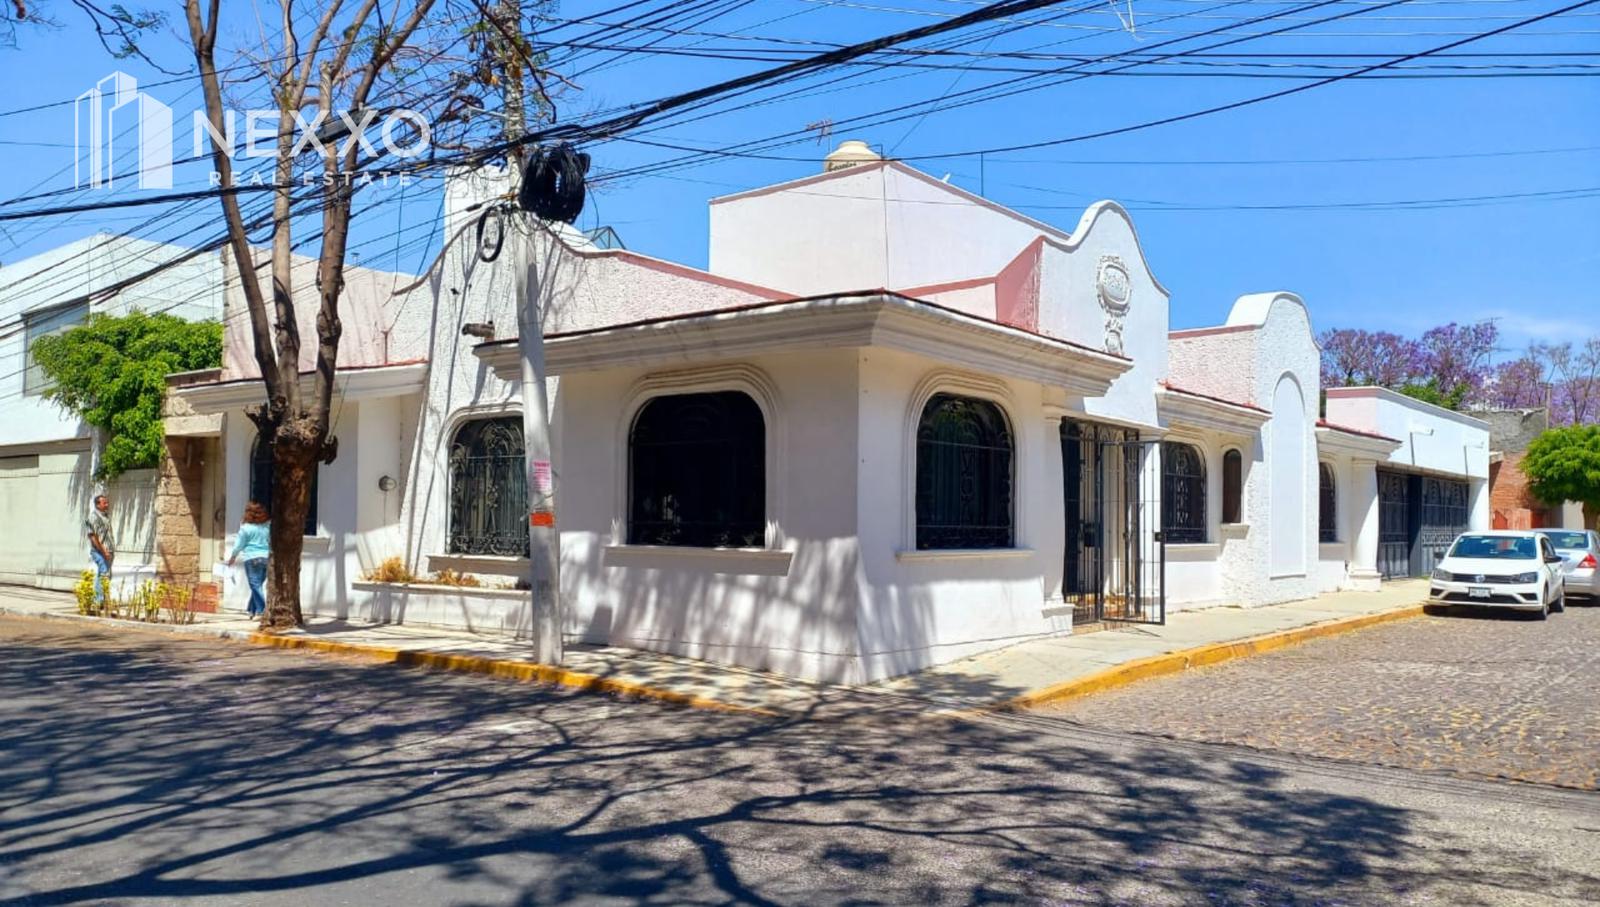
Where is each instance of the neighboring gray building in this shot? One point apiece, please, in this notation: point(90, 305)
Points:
point(1512, 430)
point(46, 454)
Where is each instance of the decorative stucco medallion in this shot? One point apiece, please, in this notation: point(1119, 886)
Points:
point(1115, 289)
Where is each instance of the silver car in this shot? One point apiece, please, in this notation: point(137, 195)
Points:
point(1580, 548)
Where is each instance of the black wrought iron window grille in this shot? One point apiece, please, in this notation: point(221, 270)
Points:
point(489, 489)
point(1444, 503)
point(964, 475)
point(1328, 505)
point(1183, 493)
point(698, 472)
point(261, 481)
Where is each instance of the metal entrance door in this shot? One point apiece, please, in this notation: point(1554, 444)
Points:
point(1114, 564)
point(1418, 518)
point(1394, 524)
point(1444, 515)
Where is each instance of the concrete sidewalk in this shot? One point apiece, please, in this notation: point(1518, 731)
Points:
point(1017, 676)
point(1057, 667)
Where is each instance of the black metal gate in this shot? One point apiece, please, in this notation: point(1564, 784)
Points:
point(1444, 516)
point(1394, 524)
point(1418, 517)
point(1114, 564)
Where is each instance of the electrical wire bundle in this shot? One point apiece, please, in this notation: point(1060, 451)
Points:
point(553, 183)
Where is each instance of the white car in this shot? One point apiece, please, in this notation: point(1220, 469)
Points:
point(1501, 569)
point(1581, 550)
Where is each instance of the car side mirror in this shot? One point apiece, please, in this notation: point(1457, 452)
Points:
point(1552, 559)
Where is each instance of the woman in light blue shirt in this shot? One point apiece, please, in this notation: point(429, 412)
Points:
point(254, 543)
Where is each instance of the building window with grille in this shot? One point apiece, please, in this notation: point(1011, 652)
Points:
point(964, 475)
point(489, 489)
point(698, 472)
point(1183, 493)
point(261, 481)
point(1327, 506)
point(1233, 487)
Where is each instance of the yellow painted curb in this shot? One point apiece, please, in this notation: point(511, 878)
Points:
point(515, 670)
point(1216, 653)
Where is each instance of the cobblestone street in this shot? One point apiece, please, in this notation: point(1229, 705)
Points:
point(1465, 692)
point(144, 768)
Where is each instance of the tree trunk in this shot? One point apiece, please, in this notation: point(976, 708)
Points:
point(296, 449)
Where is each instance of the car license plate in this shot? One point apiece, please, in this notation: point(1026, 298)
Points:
point(1478, 591)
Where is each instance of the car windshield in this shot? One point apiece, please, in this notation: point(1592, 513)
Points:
point(1568, 540)
point(1496, 547)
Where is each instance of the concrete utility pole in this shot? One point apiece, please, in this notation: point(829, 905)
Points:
point(543, 536)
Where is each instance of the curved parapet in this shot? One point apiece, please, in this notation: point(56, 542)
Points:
point(1253, 309)
point(1086, 223)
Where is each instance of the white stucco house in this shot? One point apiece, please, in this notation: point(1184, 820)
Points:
point(47, 456)
point(893, 424)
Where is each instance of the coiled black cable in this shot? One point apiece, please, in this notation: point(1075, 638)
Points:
point(488, 252)
point(553, 183)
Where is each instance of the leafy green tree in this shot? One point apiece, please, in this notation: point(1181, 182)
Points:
point(112, 371)
point(1429, 391)
point(1563, 464)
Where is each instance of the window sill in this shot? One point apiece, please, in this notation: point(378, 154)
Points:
point(1334, 545)
point(740, 561)
point(490, 564)
point(1233, 530)
point(933, 555)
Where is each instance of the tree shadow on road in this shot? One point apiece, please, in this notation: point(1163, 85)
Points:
point(184, 771)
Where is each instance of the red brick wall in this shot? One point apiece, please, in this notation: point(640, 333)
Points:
point(1511, 505)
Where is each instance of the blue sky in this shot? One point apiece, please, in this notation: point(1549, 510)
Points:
point(1533, 263)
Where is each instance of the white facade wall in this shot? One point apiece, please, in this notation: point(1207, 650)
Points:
point(358, 525)
point(580, 288)
point(1265, 357)
point(840, 592)
point(1433, 439)
point(1070, 308)
point(792, 608)
point(1334, 559)
point(1199, 574)
point(874, 226)
point(924, 607)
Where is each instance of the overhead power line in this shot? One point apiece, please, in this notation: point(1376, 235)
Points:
point(1292, 90)
point(820, 61)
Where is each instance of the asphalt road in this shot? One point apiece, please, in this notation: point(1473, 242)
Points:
point(137, 768)
point(1471, 692)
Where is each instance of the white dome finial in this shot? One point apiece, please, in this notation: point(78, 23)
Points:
point(849, 153)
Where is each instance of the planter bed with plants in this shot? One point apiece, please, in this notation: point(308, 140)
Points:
point(444, 599)
point(148, 602)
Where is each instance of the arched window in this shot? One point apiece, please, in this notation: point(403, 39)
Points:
point(489, 489)
point(698, 472)
point(964, 482)
point(1232, 487)
point(261, 481)
point(1328, 506)
point(1183, 493)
